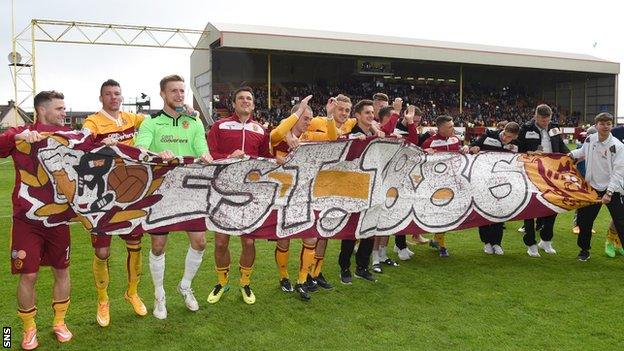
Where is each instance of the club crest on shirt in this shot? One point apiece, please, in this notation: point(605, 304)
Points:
point(185, 124)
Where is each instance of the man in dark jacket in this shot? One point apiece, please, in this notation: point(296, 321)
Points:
point(364, 112)
point(540, 135)
point(495, 140)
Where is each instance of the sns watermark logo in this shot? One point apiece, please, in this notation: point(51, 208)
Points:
point(6, 337)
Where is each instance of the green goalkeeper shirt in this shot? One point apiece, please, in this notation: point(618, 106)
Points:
point(183, 136)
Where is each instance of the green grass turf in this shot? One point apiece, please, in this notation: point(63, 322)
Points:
point(470, 301)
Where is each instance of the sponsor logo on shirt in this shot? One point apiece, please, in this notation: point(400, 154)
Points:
point(231, 125)
point(442, 142)
point(121, 136)
point(173, 139)
point(251, 126)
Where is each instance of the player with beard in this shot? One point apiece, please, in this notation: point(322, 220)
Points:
point(111, 126)
point(32, 243)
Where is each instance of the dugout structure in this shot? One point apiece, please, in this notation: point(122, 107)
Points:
point(272, 57)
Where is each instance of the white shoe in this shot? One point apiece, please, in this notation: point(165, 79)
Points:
point(189, 298)
point(160, 308)
point(417, 240)
point(547, 246)
point(487, 248)
point(421, 239)
point(521, 229)
point(404, 254)
point(397, 250)
point(498, 250)
point(532, 251)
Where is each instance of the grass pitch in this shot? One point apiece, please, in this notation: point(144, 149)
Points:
point(470, 301)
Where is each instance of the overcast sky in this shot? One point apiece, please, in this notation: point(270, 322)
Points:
point(78, 70)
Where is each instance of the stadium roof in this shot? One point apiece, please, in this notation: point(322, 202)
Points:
point(316, 41)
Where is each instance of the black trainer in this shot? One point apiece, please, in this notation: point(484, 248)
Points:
point(390, 262)
point(345, 276)
point(303, 292)
point(362, 272)
point(310, 284)
point(322, 282)
point(377, 268)
point(285, 285)
point(583, 256)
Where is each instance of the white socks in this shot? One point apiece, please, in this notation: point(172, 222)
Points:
point(383, 255)
point(191, 265)
point(375, 256)
point(157, 268)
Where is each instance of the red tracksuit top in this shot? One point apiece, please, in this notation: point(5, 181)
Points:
point(439, 143)
point(229, 134)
